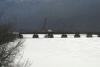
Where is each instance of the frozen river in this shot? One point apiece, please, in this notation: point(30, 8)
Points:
point(62, 52)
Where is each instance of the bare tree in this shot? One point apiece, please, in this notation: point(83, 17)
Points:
point(7, 51)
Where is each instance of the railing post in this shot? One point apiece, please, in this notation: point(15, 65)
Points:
point(35, 36)
point(89, 35)
point(98, 35)
point(20, 35)
point(64, 36)
point(49, 36)
point(77, 35)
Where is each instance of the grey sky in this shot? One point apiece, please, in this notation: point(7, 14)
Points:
point(65, 15)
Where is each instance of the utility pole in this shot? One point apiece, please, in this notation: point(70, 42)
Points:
point(44, 27)
point(1, 14)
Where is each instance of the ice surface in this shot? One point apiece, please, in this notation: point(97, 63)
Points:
point(62, 52)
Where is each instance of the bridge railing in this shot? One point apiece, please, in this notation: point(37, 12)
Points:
point(62, 34)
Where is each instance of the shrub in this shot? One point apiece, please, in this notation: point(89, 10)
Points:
point(7, 51)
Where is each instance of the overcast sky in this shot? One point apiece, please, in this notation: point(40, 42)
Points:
point(65, 15)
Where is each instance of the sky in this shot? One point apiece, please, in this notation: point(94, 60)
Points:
point(62, 15)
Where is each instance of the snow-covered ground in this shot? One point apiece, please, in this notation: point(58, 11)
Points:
point(62, 52)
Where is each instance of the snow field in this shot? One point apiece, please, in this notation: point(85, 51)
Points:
point(62, 52)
